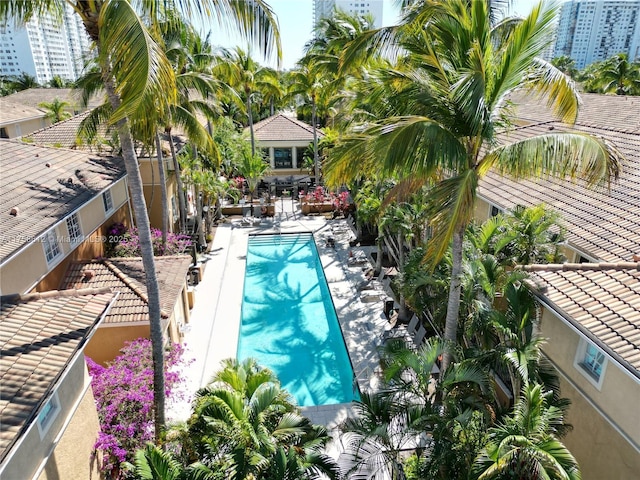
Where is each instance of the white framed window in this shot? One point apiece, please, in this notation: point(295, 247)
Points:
point(107, 201)
point(51, 246)
point(48, 414)
point(73, 227)
point(591, 362)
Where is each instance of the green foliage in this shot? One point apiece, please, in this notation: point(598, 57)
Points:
point(615, 75)
point(56, 110)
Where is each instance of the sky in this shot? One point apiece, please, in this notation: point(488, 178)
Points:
point(295, 20)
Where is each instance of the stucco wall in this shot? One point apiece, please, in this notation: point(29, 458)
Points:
point(599, 449)
point(594, 440)
point(106, 343)
point(72, 458)
point(34, 454)
point(25, 127)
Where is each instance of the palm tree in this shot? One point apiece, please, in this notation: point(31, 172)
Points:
point(242, 73)
point(442, 109)
point(306, 83)
point(56, 110)
point(133, 68)
point(615, 75)
point(245, 425)
point(24, 81)
point(252, 168)
point(526, 446)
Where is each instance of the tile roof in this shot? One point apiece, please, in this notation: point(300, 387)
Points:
point(283, 127)
point(602, 300)
point(43, 194)
point(32, 97)
point(126, 275)
point(11, 112)
point(604, 224)
point(619, 113)
point(62, 134)
point(40, 335)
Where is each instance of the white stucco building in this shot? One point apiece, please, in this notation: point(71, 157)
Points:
point(44, 47)
point(594, 30)
point(323, 8)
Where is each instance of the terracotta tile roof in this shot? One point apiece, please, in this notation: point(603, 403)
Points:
point(284, 127)
point(603, 224)
point(126, 275)
point(32, 97)
point(62, 134)
point(619, 113)
point(40, 335)
point(14, 112)
point(602, 300)
point(43, 194)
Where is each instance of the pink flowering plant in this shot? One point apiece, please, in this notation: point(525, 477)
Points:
point(127, 243)
point(123, 391)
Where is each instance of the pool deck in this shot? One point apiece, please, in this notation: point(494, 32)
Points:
point(212, 332)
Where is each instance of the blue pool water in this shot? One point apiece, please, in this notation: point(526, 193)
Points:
point(289, 323)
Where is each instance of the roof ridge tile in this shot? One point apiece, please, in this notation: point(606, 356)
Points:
point(27, 297)
point(551, 267)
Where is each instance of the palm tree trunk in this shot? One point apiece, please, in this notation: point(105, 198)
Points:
point(250, 120)
point(176, 167)
point(146, 249)
point(163, 193)
point(402, 313)
point(455, 288)
point(316, 163)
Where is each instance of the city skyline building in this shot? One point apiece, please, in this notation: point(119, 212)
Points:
point(594, 30)
point(323, 8)
point(44, 47)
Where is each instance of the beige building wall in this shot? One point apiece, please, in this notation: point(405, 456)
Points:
point(73, 457)
point(606, 434)
point(62, 450)
point(29, 270)
point(25, 127)
point(106, 343)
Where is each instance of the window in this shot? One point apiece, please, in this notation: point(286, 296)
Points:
point(282, 158)
point(73, 227)
point(51, 246)
point(591, 362)
point(300, 151)
point(107, 201)
point(495, 210)
point(48, 414)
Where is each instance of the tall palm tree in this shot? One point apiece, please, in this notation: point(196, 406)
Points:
point(443, 106)
point(56, 110)
point(527, 446)
point(133, 67)
point(307, 84)
point(241, 72)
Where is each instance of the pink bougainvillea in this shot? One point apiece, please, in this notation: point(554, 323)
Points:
point(124, 398)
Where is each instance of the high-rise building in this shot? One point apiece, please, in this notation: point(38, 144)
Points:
point(594, 30)
point(44, 47)
point(323, 8)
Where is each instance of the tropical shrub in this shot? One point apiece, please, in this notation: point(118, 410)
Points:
point(126, 243)
point(124, 398)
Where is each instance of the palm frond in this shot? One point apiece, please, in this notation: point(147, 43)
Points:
point(126, 41)
point(563, 155)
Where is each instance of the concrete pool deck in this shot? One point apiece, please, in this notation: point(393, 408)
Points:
point(212, 333)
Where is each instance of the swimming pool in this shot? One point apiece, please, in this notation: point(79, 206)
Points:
point(289, 323)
